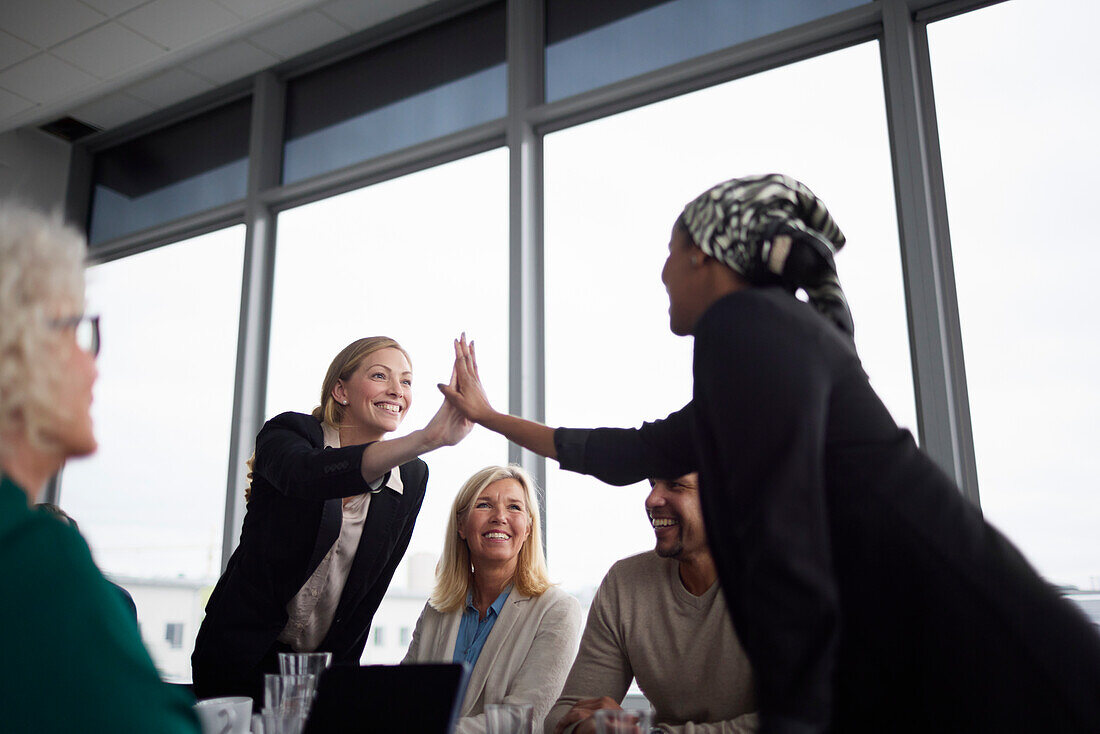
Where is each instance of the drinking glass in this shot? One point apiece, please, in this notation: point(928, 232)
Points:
point(289, 694)
point(617, 721)
point(509, 718)
point(304, 663)
point(279, 722)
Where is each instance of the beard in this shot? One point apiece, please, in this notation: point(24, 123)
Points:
point(671, 551)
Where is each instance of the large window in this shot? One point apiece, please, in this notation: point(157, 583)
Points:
point(397, 95)
point(421, 259)
point(151, 501)
point(425, 256)
point(179, 170)
point(1018, 112)
point(614, 188)
point(590, 44)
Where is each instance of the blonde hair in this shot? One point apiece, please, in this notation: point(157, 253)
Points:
point(342, 368)
point(41, 271)
point(454, 575)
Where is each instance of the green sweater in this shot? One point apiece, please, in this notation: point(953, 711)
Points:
point(74, 661)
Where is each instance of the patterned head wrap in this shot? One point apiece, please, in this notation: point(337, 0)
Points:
point(738, 221)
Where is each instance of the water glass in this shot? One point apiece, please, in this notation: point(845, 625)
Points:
point(618, 721)
point(304, 663)
point(276, 722)
point(289, 694)
point(509, 718)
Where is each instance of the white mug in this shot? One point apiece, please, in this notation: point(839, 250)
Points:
point(231, 715)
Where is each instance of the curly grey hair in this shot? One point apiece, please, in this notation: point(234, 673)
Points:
point(41, 278)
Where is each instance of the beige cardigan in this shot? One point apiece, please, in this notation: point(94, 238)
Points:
point(525, 660)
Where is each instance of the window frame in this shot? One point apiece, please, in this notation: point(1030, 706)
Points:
point(898, 25)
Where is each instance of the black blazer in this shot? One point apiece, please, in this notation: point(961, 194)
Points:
point(293, 518)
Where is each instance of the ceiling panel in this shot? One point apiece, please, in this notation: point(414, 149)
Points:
point(44, 78)
point(112, 110)
point(108, 50)
point(12, 50)
point(174, 24)
point(301, 33)
point(256, 8)
point(46, 22)
point(227, 63)
point(169, 87)
point(114, 8)
point(57, 56)
point(11, 104)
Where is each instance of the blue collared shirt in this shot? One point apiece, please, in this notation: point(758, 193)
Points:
point(472, 631)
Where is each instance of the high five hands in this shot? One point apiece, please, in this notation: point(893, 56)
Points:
point(465, 392)
point(466, 396)
point(448, 426)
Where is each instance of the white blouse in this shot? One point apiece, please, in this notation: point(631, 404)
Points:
point(312, 608)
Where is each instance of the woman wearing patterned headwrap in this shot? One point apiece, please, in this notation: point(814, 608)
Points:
point(869, 595)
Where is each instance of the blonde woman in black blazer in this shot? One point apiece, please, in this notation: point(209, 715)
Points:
point(330, 512)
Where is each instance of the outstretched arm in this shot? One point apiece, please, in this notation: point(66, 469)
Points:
point(467, 395)
point(615, 455)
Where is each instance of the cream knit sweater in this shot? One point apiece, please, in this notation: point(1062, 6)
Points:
point(682, 649)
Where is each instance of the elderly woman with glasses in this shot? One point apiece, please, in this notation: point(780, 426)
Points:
point(74, 660)
point(869, 595)
point(493, 606)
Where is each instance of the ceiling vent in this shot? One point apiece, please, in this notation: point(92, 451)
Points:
point(69, 129)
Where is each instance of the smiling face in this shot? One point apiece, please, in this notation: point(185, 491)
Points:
point(681, 276)
point(496, 524)
point(378, 394)
point(677, 517)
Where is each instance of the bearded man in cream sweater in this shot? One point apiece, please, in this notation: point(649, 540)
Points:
point(660, 617)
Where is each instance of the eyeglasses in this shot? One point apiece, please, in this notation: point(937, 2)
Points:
point(87, 331)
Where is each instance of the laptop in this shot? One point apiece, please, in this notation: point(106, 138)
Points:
point(421, 697)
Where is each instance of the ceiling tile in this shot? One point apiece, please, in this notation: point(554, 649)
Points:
point(114, 8)
point(108, 51)
point(46, 22)
point(357, 15)
point(174, 85)
point(298, 34)
point(13, 50)
point(112, 110)
point(226, 63)
point(12, 104)
point(178, 24)
point(258, 8)
point(45, 78)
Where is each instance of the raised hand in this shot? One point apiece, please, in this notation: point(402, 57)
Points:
point(449, 425)
point(466, 393)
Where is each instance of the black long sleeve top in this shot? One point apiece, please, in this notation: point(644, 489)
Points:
point(869, 594)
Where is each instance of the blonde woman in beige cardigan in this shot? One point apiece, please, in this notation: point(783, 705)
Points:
point(493, 605)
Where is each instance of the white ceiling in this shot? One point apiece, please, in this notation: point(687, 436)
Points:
point(106, 62)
